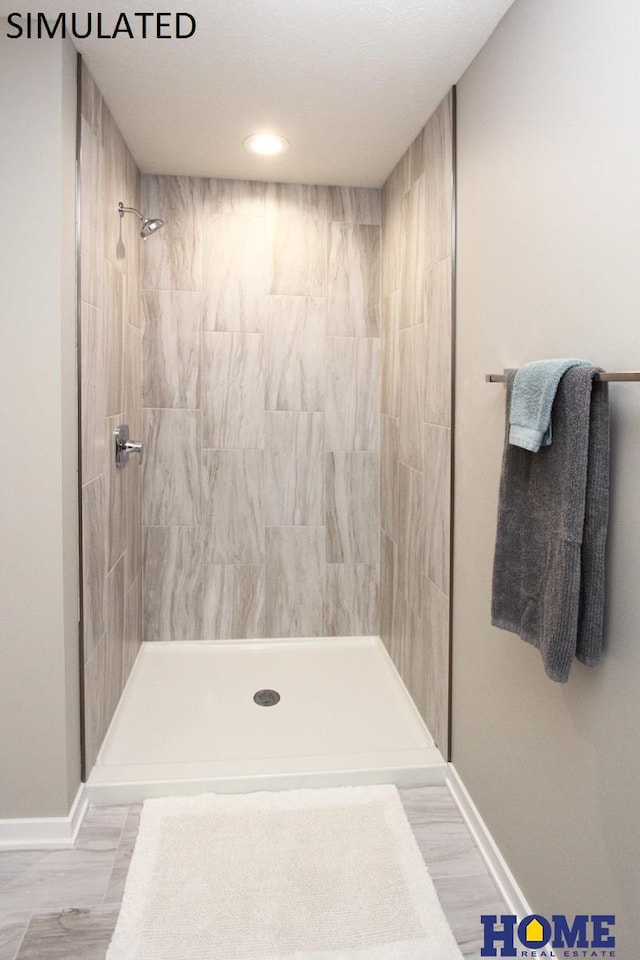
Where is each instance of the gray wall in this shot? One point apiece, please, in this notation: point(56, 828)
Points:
point(416, 418)
point(261, 425)
point(111, 379)
point(39, 695)
point(549, 193)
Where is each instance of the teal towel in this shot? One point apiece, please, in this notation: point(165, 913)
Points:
point(534, 391)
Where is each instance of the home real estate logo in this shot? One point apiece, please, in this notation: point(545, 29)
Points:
point(535, 936)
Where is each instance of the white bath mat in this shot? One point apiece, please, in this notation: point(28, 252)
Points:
point(298, 875)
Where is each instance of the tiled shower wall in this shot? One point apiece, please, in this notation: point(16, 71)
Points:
point(111, 391)
point(261, 410)
point(416, 417)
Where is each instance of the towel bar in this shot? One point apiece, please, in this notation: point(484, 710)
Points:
point(630, 375)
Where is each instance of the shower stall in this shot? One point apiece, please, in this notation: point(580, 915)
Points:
point(281, 355)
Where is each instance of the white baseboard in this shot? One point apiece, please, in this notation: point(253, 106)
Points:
point(496, 864)
point(45, 833)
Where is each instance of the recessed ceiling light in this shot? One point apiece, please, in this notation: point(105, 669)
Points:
point(266, 144)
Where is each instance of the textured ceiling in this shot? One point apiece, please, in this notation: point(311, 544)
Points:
point(348, 82)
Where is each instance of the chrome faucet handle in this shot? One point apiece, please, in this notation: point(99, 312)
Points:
point(124, 446)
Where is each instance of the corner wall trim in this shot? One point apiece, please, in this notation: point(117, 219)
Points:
point(45, 833)
point(496, 864)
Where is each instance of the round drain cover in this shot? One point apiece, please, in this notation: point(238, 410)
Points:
point(266, 698)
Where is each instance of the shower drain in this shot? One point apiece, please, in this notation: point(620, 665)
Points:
point(266, 698)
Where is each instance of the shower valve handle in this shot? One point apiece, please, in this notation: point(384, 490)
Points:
point(124, 446)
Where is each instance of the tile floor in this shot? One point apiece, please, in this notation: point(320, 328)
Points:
point(63, 904)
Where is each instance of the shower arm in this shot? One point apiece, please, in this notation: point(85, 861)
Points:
point(122, 210)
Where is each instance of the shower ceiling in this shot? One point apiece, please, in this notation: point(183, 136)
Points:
point(349, 83)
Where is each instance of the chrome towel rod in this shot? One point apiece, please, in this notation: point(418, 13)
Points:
point(629, 375)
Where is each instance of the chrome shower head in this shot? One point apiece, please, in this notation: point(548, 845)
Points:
point(149, 226)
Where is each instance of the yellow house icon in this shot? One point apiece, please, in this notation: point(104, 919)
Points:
point(534, 932)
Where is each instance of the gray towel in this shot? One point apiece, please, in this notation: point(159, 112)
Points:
point(548, 569)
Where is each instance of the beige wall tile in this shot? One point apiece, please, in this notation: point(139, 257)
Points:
point(234, 273)
point(296, 237)
point(94, 563)
point(354, 205)
point(351, 600)
point(437, 494)
point(412, 388)
point(174, 260)
point(113, 318)
point(172, 324)
point(439, 183)
point(295, 558)
point(353, 390)
point(233, 390)
point(388, 589)
point(133, 520)
point(354, 275)
point(413, 259)
point(390, 355)
point(295, 365)
point(438, 328)
point(411, 535)
point(294, 475)
point(173, 583)
point(92, 211)
point(242, 197)
point(133, 379)
point(116, 498)
point(132, 626)
point(389, 445)
point(171, 474)
point(233, 506)
point(353, 513)
point(432, 664)
point(233, 602)
point(93, 346)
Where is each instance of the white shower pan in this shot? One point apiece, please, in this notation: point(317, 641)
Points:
point(187, 721)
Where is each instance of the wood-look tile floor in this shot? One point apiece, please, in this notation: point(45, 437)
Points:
point(63, 904)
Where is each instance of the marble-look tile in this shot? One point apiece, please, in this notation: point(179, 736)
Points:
point(432, 662)
point(295, 342)
point(96, 719)
point(133, 494)
point(392, 209)
point(94, 563)
point(463, 900)
point(112, 679)
point(241, 197)
point(351, 600)
point(354, 205)
point(116, 497)
point(448, 850)
point(91, 216)
point(90, 101)
point(171, 344)
point(427, 805)
point(113, 295)
point(233, 390)
point(174, 260)
point(353, 389)
point(120, 234)
point(438, 328)
point(408, 652)
point(132, 627)
point(353, 510)
point(412, 378)
point(13, 863)
point(353, 308)
point(416, 158)
point(295, 559)
point(390, 355)
point(411, 535)
point(437, 495)
point(133, 379)
point(294, 475)
point(234, 273)
point(296, 239)
point(102, 828)
point(115, 889)
point(71, 934)
point(93, 399)
point(233, 602)
point(173, 583)
point(412, 283)
point(438, 160)
point(388, 589)
point(233, 506)
point(389, 447)
point(171, 474)
point(13, 927)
